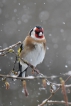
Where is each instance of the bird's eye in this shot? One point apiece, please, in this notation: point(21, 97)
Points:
point(37, 32)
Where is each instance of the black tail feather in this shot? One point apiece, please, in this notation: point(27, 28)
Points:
point(21, 72)
point(20, 75)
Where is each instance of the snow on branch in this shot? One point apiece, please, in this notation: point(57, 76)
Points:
point(32, 78)
point(10, 47)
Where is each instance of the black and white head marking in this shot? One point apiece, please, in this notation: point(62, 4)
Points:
point(37, 33)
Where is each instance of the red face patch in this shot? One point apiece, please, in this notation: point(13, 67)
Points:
point(37, 31)
point(39, 36)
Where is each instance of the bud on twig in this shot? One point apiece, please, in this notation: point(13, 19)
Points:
point(7, 85)
point(11, 50)
point(44, 83)
point(64, 91)
point(25, 88)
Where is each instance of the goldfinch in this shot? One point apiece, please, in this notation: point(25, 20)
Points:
point(32, 50)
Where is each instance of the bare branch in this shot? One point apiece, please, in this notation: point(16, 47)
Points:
point(46, 100)
point(57, 102)
point(30, 78)
point(24, 78)
point(10, 47)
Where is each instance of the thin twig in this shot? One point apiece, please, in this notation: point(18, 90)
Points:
point(57, 102)
point(10, 47)
point(46, 100)
point(22, 78)
point(29, 78)
point(67, 78)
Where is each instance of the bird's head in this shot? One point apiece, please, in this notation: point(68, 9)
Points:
point(37, 33)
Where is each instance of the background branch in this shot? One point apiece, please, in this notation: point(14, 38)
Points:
point(46, 100)
point(57, 102)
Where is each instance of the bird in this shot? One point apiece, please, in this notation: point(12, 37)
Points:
point(32, 50)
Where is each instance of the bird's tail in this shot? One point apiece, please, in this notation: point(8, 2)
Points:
point(22, 70)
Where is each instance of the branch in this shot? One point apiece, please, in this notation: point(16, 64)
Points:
point(58, 102)
point(22, 78)
point(10, 47)
point(46, 100)
point(38, 72)
point(29, 78)
point(43, 76)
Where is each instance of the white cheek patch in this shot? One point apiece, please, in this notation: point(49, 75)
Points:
point(34, 28)
point(33, 34)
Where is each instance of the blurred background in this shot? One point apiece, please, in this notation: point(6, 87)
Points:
point(17, 17)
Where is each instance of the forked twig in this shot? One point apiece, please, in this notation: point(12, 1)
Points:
point(46, 100)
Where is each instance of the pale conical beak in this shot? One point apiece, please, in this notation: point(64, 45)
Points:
point(40, 34)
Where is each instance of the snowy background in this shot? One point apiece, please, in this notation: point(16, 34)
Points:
point(17, 17)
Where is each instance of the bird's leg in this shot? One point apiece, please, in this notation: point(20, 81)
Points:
point(33, 70)
point(37, 71)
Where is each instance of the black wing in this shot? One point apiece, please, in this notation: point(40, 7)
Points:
point(20, 66)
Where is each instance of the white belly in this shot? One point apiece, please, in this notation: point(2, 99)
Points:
point(36, 56)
